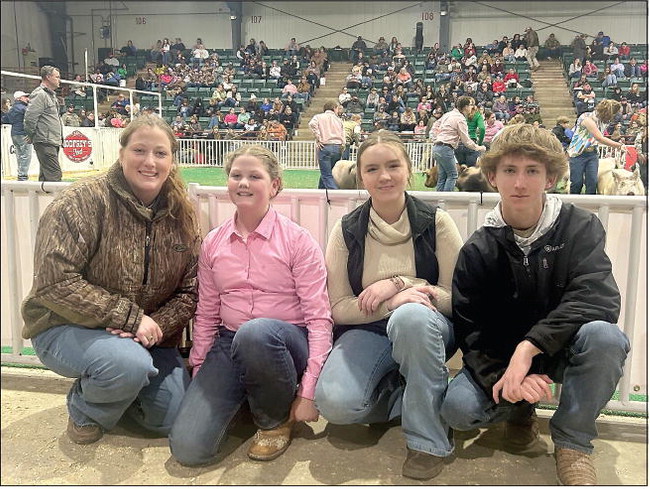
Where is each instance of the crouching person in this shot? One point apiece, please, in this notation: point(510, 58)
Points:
point(263, 326)
point(115, 285)
point(535, 302)
point(390, 264)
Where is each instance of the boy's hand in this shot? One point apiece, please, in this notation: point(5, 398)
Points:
point(509, 385)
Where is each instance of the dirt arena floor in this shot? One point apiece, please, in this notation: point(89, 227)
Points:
point(36, 451)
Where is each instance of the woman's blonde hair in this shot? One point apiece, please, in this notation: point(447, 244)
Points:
point(265, 155)
point(535, 143)
point(174, 188)
point(388, 138)
point(607, 109)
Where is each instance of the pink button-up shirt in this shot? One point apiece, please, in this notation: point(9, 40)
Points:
point(278, 272)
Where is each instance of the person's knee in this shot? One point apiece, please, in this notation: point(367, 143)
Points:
point(604, 338)
point(454, 410)
point(186, 448)
point(337, 402)
point(123, 377)
point(411, 322)
point(252, 334)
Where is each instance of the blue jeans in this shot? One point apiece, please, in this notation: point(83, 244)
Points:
point(261, 363)
point(371, 378)
point(23, 155)
point(114, 376)
point(447, 173)
point(588, 369)
point(583, 169)
point(328, 155)
point(466, 156)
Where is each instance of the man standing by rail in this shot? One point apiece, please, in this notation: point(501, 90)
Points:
point(330, 138)
point(43, 125)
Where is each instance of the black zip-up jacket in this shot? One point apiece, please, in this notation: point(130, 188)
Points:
point(501, 297)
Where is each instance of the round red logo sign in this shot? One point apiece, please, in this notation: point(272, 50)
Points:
point(77, 147)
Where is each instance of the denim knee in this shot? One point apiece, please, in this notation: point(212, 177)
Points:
point(121, 378)
point(337, 403)
point(465, 406)
point(409, 322)
point(602, 339)
point(186, 449)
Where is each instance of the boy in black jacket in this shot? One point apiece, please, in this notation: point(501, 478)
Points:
point(535, 302)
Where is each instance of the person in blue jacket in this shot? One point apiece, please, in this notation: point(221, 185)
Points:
point(22, 146)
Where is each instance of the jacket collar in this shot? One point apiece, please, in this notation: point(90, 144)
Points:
point(118, 184)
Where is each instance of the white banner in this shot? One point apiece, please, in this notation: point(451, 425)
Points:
point(83, 149)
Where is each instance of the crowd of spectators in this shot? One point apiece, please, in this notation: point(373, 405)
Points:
point(179, 69)
point(384, 87)
point(604, 69)
point(384, 78)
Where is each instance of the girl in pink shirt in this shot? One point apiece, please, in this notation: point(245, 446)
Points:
point(263, 326)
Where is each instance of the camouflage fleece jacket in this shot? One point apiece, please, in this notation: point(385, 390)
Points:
point(103, 259)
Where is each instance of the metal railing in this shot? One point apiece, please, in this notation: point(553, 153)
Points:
point(624, 218)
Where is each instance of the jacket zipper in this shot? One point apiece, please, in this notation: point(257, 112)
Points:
point(147, 250)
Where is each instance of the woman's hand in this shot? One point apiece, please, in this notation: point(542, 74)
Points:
point(372, 297)
point(424, 294)
point(148, 333)
point(303, 409)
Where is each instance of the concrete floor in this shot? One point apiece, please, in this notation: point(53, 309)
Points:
point(36, 451)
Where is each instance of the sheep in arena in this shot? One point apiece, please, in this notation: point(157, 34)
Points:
point(345, 174)
point(618, 181)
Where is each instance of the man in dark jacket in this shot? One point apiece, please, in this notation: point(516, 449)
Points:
point(535, 302)
point(22, 146)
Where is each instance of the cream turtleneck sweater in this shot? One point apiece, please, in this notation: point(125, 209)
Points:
point(388, 251)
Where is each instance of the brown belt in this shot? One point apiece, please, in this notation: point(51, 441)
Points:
point(444, 144)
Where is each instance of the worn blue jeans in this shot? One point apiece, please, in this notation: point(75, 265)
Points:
point(328, 155)
point(466, 156)
point(114, 376)
point(261, 363)
point(371, 378)
point(23, 155)
point(589, 370)
point(447, 173)
point(583, 169)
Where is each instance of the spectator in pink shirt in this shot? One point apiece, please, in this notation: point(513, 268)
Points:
point(492, 127)
point(263, 326)
point(289, 89)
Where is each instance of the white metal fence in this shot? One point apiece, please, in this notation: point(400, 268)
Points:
point(103, 143)
point(624, 218)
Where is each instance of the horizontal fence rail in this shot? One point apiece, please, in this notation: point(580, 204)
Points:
point(624, 218)
point(293, 155)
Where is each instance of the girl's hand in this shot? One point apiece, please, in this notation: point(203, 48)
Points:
point(372, 296)
point(148, 333)
point(303, 409)
point(424, 295)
